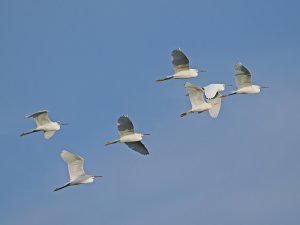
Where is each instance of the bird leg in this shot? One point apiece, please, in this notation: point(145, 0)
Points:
point(163, 79)
point(66, 185)
point(226, 95)
point(112, 142)
point(29, 132)
point(184, 114)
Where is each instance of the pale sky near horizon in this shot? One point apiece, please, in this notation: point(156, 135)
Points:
point(88, 62)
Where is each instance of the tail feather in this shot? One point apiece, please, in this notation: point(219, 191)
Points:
point(165, 78)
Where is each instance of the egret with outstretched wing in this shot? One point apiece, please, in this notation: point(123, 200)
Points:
point(43, 123)
point(75, 168)
point(199, 105)
point(181, 67)
point(243, 81)
point(129, 137)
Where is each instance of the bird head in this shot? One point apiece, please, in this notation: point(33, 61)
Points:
point(61, 123)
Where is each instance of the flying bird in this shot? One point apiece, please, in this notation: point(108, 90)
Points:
point(43, 123)
point(75, 168)
point(199, 105)
point(181, 67)
point(129, 137)
point(243, 81)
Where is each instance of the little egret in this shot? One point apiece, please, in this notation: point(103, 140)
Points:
point(199, 105)
point(129, 137)
point(43, 123)
point(243, 81)
point(76, 172)
point(181, 66)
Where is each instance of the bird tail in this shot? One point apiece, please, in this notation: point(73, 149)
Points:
point(29, 132)
point(165, 78)
point(66, 185)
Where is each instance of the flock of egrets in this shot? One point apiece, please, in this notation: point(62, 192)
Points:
point(203, 99)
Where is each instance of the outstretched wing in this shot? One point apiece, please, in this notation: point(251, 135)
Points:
point(138, 146)
point(242, 76)
point(40, 117)
point(179, 60)
point(212, 90)
point(216, 106)
point(75, 164)
point(195, 94)
point(125, 126)
point(49, 134)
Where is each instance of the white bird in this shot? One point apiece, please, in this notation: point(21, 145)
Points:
point(76, 172)
point(243, 81)
point(43, 123)
point(129, 137)
point(181, 66)
point(199, 105)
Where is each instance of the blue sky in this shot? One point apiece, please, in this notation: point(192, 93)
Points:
point(88, 62)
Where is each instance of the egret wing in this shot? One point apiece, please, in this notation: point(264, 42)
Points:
point(216, 106)
point(49, 134)
point(242, 76)
point(40, 117)
point(212, 90)
point(125, 126)
point(196, 94)
point(75, 164)
point(138, 146)
point(179, 60)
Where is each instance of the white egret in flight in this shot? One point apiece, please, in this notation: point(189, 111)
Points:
point(181, 66)
point(243, 81)
point(43, 123)
point(199, 105)
point(75, 168)
point(129, 137)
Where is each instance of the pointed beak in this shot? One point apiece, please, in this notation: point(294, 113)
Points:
point(97, 176)
point(264, 87)
point(63, 123)
point(202, 71)
point(146, 134)
point(228, 85)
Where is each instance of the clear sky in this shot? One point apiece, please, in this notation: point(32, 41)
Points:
point(88, 62)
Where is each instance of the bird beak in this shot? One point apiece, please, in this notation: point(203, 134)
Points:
point(97, 176)
point(202, 70)
point(64, 124)
point(146, 134)
point(264, 87)
point(228, 85)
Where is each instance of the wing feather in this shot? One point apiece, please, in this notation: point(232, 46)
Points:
point(125, 126)
point(40, 117)
point(242, 76)
point(179, 60)
point(138, 147)
point(75, 164)
point(216, 106)
point(196, 94)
